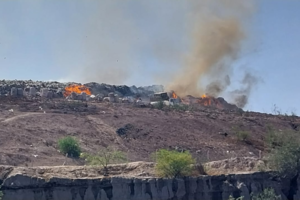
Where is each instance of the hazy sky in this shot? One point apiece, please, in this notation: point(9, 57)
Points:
point(139, 42)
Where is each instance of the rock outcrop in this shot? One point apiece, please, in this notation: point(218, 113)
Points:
point(42, 184)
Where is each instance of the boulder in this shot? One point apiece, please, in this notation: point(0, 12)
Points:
point(14, 92)
point(32, 91)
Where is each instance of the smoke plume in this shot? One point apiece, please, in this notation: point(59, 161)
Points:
point(216, 40)
point(241, 95)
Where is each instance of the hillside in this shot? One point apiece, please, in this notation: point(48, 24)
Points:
point(29, 130)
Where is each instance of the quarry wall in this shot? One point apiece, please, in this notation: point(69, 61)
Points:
point(22, 187)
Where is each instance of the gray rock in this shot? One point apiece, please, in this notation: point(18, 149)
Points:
point(14, 92)
point(20, 92)
point(32, 91)
point(44, 92)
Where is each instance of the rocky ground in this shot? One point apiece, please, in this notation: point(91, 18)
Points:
point(29, 130)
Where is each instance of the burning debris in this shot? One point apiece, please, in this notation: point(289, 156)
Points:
point(78, 89)
point(106, 93)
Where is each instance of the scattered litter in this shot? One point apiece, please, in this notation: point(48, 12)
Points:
point(35, 155)
point(11, 110)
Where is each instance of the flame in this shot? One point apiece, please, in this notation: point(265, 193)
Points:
point(174, 95)
point(205, 100)
point(77, 89)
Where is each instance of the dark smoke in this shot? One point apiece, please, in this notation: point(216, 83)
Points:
point(241, 95)
point(215, 88)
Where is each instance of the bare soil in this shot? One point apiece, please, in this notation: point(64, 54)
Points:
point(30, 131)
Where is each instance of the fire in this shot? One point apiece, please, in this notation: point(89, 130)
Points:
point(174, 95)
point(205, 100)
point(77, 89)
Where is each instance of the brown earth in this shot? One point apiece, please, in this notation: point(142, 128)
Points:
point(29, 133)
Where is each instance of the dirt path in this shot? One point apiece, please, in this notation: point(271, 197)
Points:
point(21, 116)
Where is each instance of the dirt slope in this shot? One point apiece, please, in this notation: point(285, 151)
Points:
point(29, 134)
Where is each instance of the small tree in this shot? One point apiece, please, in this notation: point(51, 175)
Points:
point(173, 164)
point(69, 146)
point(105, 157)
point(285, 160)
point(285, 157)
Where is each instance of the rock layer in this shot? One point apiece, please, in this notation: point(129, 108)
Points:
point(20, 185)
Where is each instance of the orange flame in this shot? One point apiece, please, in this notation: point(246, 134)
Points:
point(77, 89)
point(174, 95)
point(205, 100)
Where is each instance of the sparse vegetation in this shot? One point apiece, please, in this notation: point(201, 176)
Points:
point(285, 159)
point(276, 110)
point(232, 198)
point(69, 146)
point(267, 194)
point(181, 107)
point(104, 157)
point(173, 164)
point(159, 105)
point(274, 138)
point(241, 134)
point(284, 156)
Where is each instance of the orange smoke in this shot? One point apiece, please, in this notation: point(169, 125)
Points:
point(77, 89)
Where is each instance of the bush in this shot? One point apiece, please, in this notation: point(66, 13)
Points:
point(285, 159)
point(69, 146)
point(105, 157)
point(274, 138)
point(181, 107)
point(267, 194)
point(232, 198)
point(173, 164)
point(159, 105)
point(242, 135)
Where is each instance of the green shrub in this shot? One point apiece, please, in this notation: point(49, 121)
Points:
point(105, 157)
point(242, 135)
point(274, 138)
point(285, 159)
point(159, 105)
point(267, 194)
point(173, 164)
point(69, 146)
point(181, 107)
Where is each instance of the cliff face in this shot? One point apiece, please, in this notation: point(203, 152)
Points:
point(23, 187)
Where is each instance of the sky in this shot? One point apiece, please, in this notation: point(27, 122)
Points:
point(140, 42)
